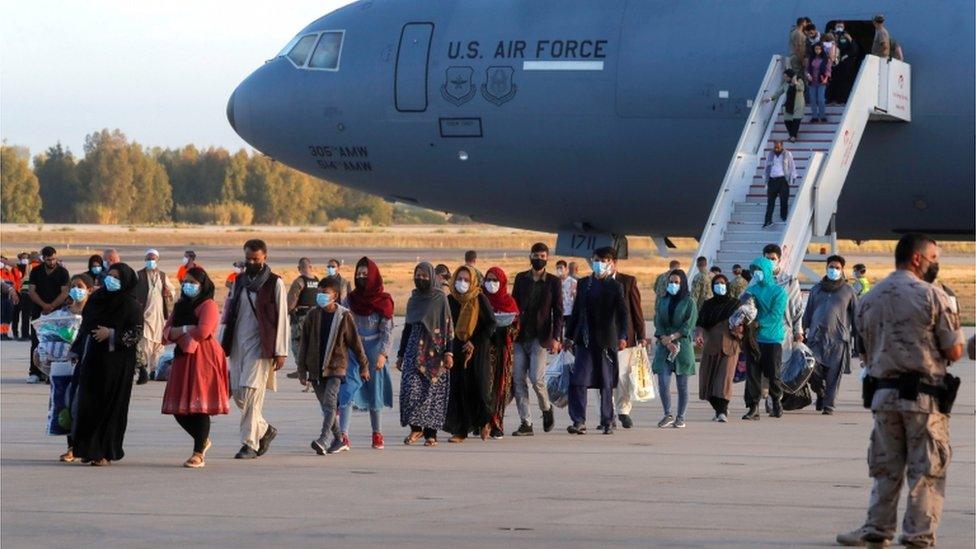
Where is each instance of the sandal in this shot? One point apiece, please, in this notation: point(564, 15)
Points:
point(68, 456)
point(456, 439)
point(430, 442)
point(100, 462)
point(414, 436)
point(195, 461)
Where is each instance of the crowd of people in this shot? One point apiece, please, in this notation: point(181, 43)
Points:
point(467, 345)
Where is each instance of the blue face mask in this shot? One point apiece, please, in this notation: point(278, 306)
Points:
point(833, 274)
point(600, 268)
point(323, 300)
point(673, 288)
point(77, 294)
point(151, 264)
point(96, 269)
point(112, 284)
point(191, 289)
point(331, 270)
point(758, 276)
point(719, 289)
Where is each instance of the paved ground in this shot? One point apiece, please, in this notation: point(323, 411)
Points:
point(793, 482)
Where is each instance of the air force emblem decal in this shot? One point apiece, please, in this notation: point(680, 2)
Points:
point(499, 86)
point(458, 88)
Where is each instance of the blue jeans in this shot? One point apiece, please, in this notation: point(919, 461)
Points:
point(345, 416)
point(819, 101)
point(664, 389)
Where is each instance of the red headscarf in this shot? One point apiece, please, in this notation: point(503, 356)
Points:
point(371, 298)
point(500, 301)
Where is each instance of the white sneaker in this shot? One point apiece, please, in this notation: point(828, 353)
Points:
point(33, 379)
point(722, 418)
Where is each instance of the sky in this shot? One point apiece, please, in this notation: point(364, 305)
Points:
point(161, 71)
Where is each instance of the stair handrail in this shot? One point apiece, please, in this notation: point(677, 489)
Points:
point(755, 132)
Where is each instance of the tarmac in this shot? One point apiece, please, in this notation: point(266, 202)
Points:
point(790, 482)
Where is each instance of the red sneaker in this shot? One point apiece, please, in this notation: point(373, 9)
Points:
point(345, 440)
point(378, 441)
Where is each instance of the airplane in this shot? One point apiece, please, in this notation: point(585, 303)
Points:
point(612, 118)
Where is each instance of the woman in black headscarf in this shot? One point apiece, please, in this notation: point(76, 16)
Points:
point(198, 385)
point(720, 348)
point(106, 346)
point(425, 357)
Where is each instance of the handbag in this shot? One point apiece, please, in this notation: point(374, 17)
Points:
point(641, 380)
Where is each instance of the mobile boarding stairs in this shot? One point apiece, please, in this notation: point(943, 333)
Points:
point(823, 154)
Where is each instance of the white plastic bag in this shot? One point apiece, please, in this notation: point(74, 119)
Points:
point(641, 379)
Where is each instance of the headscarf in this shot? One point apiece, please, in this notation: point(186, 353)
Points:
point(96, 259)
point(467, 319)
point(501, 301)
point(103, 308)
point(429, 307)
point(718, 308)
point(678, 297)
point(371, 298)
point(765, 291)
point(184, 312)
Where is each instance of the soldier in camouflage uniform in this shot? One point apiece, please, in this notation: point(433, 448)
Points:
point(908, 325)
point(661, 282)
point(737, 286)
point(701, 285)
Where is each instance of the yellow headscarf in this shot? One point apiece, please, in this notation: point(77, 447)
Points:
point(470, 305)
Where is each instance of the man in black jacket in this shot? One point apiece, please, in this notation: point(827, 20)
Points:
point(635, 337)
point(538, 295)
point(598, 331)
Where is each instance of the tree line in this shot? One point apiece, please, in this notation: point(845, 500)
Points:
point(120, 181)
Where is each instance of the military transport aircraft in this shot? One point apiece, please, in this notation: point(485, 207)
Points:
point(608, 117)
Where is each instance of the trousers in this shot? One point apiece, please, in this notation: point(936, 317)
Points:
point(529, 366)
point(664, 389)
point(577, 405)
point(916, 443)
point(777, 187)
point(327, 391)
point(770, 357)
point(250, 401)
point(197, 426)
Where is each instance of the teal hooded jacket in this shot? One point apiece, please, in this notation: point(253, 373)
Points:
point(771, 301)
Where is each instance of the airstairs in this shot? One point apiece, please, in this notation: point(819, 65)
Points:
point(823, 154)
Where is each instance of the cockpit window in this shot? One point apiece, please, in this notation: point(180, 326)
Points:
point(326, 55)
point(299, 53)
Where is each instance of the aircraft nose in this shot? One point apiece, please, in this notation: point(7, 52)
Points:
point(230, 110)
point(238, 110)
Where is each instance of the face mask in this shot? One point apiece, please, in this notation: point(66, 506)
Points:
point(23, 262)
point(462, 286)
point(600, 268)
point(719, 289)
point(96, 269)
point(492, 286)
point(758, 276)
point(191, 290)
point(931, 273)
point(538, 264)
point(331, 270)
point(360, 282)
point(673, 288)
point(560, 271)
point(323, 300)
point(77, 294)
point(839, 29)
point(151, 264)
point(186, 260)
point(237, 270)
point(252, 268)
point(833, 274)
point(112, 284)
point(421, 284)
point(775, 263)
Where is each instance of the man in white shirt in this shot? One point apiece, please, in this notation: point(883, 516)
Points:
point(568, 286)
point(780, 173)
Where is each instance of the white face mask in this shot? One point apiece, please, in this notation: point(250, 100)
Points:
point(492, 286)
point(186, 260)
point(462, 286)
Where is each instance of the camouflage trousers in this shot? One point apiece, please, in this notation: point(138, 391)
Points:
point(919, 443)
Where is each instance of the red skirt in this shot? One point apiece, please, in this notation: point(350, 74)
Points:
point(199, 382)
